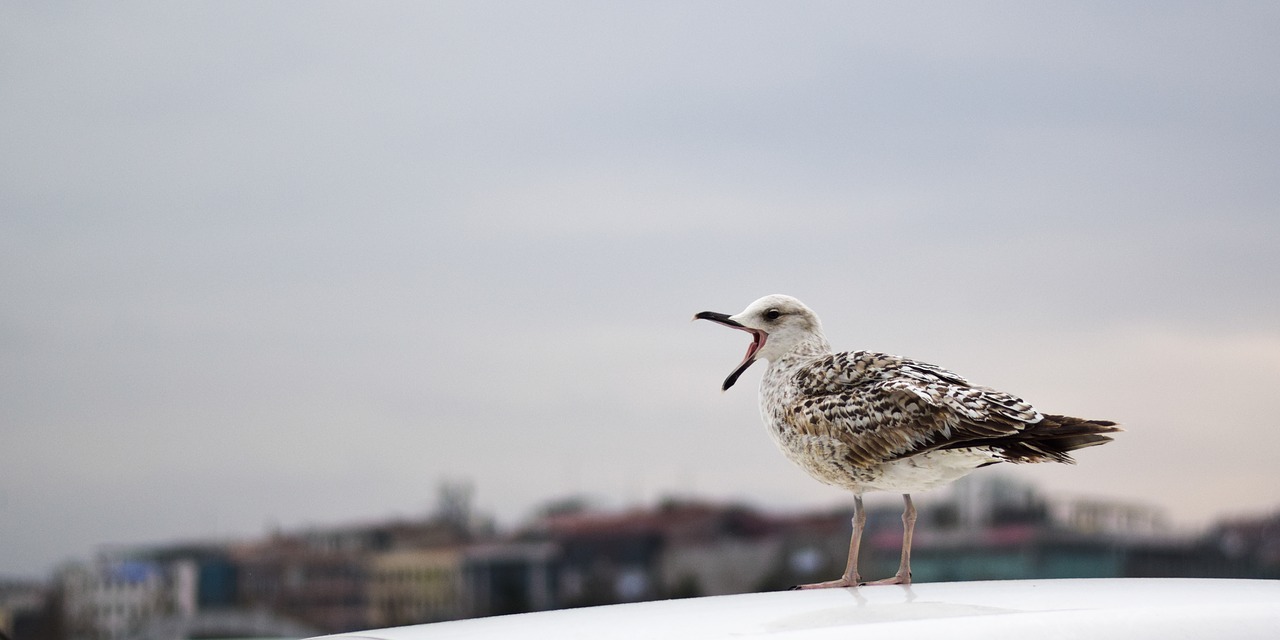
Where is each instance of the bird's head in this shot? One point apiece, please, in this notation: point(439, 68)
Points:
point(777, 324)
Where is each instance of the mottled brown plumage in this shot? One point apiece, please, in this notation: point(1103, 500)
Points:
point(887, 408)
point(870, 421)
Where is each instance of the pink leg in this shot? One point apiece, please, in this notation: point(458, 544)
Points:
point(908, 527)
point(850, 577)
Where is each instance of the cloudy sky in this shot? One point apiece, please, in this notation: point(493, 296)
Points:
point(296, 263)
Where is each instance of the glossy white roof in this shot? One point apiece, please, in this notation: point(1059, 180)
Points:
point(1024, 609)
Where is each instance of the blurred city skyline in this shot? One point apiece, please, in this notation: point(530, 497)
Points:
point(454, 564)
point(276, 264)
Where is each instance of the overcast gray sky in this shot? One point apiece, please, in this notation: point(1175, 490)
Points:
point(295, 263)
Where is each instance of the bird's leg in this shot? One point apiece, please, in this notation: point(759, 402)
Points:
point(850, 577)
point(855, 543)
point(908, 527)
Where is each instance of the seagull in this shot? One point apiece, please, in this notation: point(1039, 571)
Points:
point(867, 421)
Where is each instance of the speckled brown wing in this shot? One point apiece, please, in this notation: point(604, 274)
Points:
point(886, 408)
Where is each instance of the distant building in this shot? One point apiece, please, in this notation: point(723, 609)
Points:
point(338, 579)
point(324, 589)
point(112, 597)
point(1255, 540)
point(732, 564)
point(414, 586)
point(214, 571)
point(675, 549)
point(500, 578)
point(23, 610)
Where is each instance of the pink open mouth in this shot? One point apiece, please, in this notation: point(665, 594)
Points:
point(758, 338)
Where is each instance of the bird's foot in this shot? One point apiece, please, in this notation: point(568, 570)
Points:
point(903, 579)
point(844, 581)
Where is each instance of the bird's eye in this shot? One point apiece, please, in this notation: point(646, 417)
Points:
point(772, 314)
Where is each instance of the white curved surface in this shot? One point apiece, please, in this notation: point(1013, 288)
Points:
point(1024, 609)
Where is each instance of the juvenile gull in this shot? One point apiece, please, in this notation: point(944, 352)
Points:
point(869, 421)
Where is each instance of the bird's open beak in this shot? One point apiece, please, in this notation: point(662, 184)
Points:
point(758, 339)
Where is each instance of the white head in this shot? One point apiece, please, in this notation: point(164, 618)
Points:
point(778, 324)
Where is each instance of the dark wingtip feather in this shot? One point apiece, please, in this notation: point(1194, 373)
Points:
point(1059, 435)
point(1051, 439)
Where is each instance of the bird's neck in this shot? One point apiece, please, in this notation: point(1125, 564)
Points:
point(813, 346)
point(775, 391)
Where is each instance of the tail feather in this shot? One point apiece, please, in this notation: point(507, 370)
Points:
point(1052, 439)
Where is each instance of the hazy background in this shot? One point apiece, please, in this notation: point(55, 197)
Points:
point(295, 263)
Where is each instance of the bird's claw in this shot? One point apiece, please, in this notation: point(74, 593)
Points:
point(830, 584)
point(897, 579)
